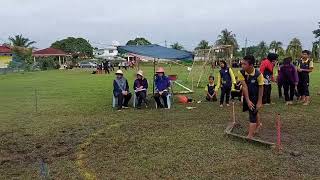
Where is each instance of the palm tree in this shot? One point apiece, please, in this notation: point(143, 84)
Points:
point(227, 38)
point(315, 51)
point(20, 41)
point(294, 48)
point(275, 46)
point(203, 45)
point(177, 46)
point(262, 50)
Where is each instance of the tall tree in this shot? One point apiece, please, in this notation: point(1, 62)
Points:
point(315, 51)
point(262, 50)
point(20, 41)
point(177, 46)
point(203, 45)
point(294, 49)
point(138, 41)
point(227, 38)
point(316, 44)
point(76, 46)
point(275, 46)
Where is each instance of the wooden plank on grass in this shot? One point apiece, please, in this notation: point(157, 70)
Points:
point(251, 140)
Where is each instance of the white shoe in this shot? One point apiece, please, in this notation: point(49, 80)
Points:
point(221, 105)
point(228, 105)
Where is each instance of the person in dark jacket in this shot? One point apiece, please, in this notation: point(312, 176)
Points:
point(106, 67)
point(288, 76)
point(121, 90)
point(226, 81)
point(140, 88)
point(162, 85)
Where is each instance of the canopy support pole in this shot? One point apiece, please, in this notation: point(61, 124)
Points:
point(154, 72)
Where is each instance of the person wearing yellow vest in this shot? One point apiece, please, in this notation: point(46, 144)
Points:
point(304, 68)
point(226, 81)
point(252, 85)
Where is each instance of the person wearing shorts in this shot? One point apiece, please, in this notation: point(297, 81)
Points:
point(304, 68)
point(252, 86)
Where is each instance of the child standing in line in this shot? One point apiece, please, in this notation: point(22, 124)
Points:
point(210, 90)
point(305, 67)
point(226, 81)
point(252, 85)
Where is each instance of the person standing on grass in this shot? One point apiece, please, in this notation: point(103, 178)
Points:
point(288, 77)
point(106, 67)
point(252, 86)
point(226, 81)
point(210, 90)
point(121, 90)
point(140, 88)
point(266, 68)
point(305, 67)
point(162, 85)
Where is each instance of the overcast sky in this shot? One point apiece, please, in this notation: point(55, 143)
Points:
point(183, 21)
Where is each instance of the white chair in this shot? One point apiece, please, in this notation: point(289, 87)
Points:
point(169, 96)
point(114, 101)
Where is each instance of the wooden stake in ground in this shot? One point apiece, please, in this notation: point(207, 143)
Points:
point(278, 125)
point(233, 114)
point(36, 100)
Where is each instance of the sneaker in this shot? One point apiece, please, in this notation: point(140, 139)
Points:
point(267, 104)
point(228, 105)
point(221, 105)
point(125, 107)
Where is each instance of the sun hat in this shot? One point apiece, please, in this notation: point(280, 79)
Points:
point(119, 72)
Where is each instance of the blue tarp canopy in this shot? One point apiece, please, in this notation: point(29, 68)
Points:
point(156, 51)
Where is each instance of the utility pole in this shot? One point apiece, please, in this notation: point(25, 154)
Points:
point(245, 47)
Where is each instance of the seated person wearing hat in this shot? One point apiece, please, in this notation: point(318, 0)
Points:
point(121, 90)
point(162, 84)
point(140, 88)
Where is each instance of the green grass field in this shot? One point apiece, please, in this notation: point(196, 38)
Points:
point(75, 134)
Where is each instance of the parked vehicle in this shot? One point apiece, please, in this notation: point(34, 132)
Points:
point(87, 64)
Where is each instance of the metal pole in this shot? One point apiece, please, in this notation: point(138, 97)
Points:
point(245, 47)
point(36, 100)
point(154, 72)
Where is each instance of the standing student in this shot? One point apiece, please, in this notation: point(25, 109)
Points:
point(140, 87)
point(266, 68)
point(305, 67)
point(162, 85)
point(288, 77)
point(210, 90)
point(226, 81)
point(252, 86)
point(121, 90)
point(237, 91)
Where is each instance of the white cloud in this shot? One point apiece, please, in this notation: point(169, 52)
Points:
point(173, 20)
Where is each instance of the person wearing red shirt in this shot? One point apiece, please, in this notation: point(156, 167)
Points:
point(266, 68)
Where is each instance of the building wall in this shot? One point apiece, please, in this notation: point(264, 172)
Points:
point(5, 60)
